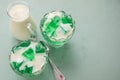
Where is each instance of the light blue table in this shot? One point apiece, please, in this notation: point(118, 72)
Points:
point(92, 54)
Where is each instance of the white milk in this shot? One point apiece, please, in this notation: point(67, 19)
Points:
point(20, 17)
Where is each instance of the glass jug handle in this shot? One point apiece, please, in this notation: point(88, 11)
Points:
point(33, 35)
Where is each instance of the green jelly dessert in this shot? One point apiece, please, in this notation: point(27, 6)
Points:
point(28, 58)
point(57, 28)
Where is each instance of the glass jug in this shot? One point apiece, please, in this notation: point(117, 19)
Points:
point(22, 25)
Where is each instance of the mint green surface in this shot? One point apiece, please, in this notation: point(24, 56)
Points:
point(93, 53)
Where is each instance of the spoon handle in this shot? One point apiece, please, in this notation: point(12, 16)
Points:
point(58, 75)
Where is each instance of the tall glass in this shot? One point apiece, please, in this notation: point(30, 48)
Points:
point(22, 25)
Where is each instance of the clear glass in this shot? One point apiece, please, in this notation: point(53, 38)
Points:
point(57, 28)
point(22, 25)
point(29, 58)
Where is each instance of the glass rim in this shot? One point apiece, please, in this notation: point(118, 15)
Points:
point(16, 3)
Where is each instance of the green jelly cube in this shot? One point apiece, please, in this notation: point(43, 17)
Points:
point(53, 25)
point(67, 19)
point(29, 54)
point(16, 65)
point(28, 69)
point(39, 49)
point(24, 44)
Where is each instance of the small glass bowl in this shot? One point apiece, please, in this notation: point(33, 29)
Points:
point(57, 28)
point(29, 58)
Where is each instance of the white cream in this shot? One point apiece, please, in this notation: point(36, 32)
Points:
point(38, 62)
